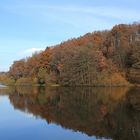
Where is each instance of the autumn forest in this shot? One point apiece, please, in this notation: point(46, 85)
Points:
point(102, 58)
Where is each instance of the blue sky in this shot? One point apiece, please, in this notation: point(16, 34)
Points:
point(30, 25)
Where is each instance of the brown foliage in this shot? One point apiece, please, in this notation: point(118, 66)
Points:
point(86, 60)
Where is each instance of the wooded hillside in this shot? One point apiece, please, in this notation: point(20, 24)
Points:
point(100, 58)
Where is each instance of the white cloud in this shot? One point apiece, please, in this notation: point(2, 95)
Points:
point(32, 50)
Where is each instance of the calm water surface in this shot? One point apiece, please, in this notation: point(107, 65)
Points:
point(69, 113)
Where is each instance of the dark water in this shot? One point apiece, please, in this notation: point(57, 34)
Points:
point(69, 113)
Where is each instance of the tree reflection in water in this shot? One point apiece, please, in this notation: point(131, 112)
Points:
point(103, 112)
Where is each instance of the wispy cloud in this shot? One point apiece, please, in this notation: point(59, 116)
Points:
point(81, 18)
point(104, 11)
point(58, 10)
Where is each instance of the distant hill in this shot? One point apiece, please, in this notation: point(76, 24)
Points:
point(101, 58)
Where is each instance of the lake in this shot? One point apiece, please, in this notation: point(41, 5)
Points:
point(63, 113)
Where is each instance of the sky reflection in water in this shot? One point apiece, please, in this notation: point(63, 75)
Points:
point(17, 125)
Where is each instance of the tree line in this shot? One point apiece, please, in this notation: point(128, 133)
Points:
point(101, 58)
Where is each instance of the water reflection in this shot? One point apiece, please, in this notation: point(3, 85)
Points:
point(111, 113)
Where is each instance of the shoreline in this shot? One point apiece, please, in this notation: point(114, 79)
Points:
point(57, 85)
